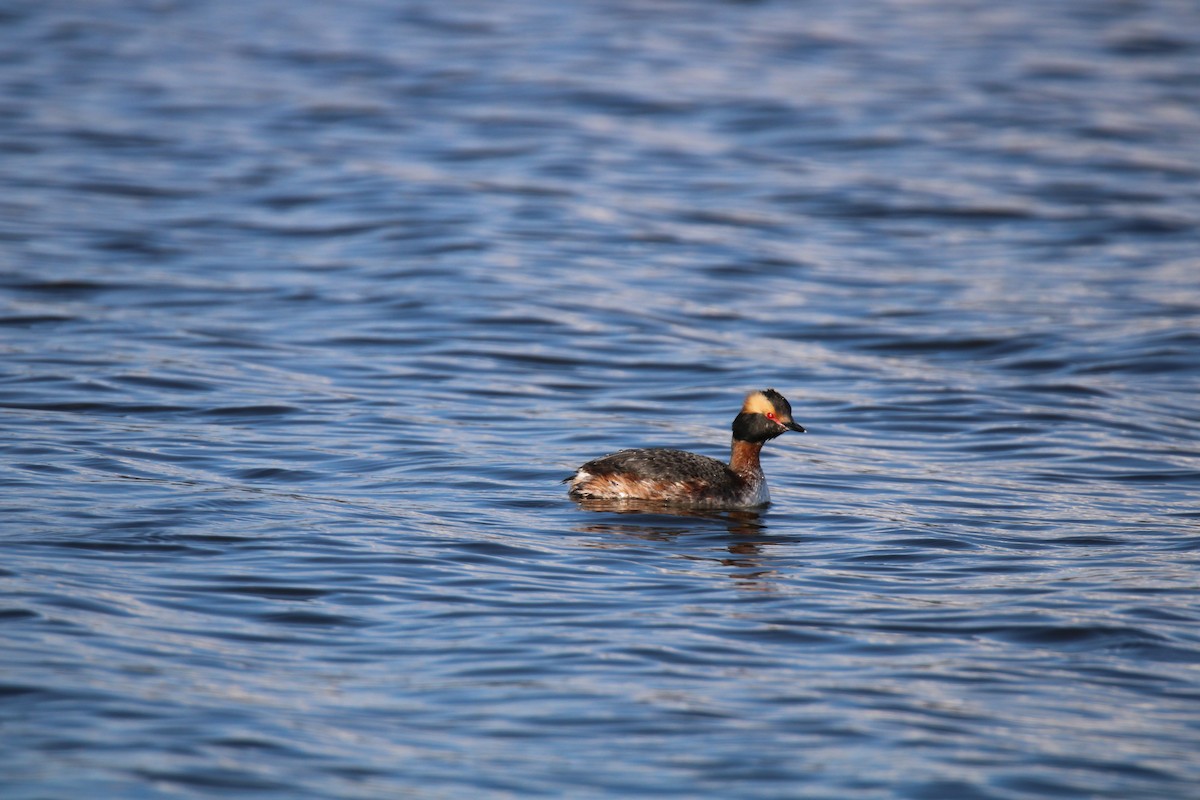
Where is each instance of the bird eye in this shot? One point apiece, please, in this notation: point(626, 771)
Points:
point(771, 416)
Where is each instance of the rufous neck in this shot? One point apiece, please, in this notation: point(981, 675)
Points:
point(743, 457)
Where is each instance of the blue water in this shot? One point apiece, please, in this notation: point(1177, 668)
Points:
point(307, 308)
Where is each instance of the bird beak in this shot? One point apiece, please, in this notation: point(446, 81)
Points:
point(792, 426)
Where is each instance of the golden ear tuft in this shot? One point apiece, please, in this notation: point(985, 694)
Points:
point(757, 403)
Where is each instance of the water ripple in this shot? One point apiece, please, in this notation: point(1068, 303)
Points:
point(305, 315)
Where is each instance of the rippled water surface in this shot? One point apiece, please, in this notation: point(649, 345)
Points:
point(307, 308)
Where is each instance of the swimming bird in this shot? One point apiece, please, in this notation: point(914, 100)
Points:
point(678, 477)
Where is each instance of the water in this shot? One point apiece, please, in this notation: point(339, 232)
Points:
point(305, 309)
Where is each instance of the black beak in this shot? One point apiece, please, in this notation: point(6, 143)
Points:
point(792, 426)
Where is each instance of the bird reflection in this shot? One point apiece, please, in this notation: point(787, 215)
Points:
point(663, 523)
point(738, 521)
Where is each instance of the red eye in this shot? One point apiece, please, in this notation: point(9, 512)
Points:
point(771, 416)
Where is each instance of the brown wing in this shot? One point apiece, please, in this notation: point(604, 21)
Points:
point(652, 473)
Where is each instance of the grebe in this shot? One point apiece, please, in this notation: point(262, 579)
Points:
point(676, 476)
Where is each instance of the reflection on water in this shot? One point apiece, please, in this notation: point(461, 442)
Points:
point(736, 521)
point(748, 558)
point(305, 310)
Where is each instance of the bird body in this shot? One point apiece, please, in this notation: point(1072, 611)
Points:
point(663, 475)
